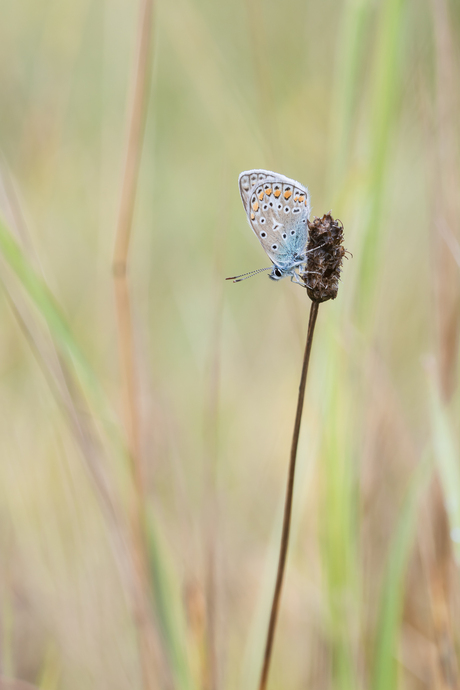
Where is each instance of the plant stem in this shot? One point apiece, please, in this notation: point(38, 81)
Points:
point(147, 637)
point(136, 126)
point(288, 501)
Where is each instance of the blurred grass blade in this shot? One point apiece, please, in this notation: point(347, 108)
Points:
point(44, 301)
point(387, 632)
point(385, 80)
point(169, 614)
point(338, 517)
point(347, 82)
point(50, 674)
point(447, 457)
point(40, 295)
point(220, 93)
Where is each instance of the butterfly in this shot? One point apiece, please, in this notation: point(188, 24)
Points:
point(277, 209)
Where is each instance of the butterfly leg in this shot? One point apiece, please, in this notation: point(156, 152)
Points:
point(315, 248)
point(295, 278)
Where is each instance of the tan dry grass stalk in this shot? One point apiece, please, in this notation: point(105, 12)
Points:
point(148, 643)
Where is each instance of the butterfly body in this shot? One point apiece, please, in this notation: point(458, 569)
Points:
point(277, 208)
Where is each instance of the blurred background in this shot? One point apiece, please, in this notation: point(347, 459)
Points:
point(141, 495)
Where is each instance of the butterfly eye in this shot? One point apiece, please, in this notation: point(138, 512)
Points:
point(263, 234)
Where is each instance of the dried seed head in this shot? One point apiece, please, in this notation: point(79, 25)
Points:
point(324, 260)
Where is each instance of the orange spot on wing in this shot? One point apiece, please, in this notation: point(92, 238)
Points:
point(277, 192)
point(255, 206)
point(287, 194)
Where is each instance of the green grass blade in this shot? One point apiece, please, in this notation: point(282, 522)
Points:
point(169, 614)
point(165, 601)
point(347, 85)
point(385, 668)
point(385, 82)
point(447, 457)
point(338, 526)
point(47, 306)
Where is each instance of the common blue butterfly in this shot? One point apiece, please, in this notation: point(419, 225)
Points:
point(277, 209)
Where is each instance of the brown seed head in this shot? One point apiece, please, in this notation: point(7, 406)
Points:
point(324, 260)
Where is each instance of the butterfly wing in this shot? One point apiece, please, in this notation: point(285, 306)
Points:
point(278, 209)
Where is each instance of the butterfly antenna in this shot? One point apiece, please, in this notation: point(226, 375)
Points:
point(245, 276)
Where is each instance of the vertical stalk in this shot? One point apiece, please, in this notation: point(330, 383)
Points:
point(136, 127)
point(288, 501)
point(123, 235)
point(446, 178)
